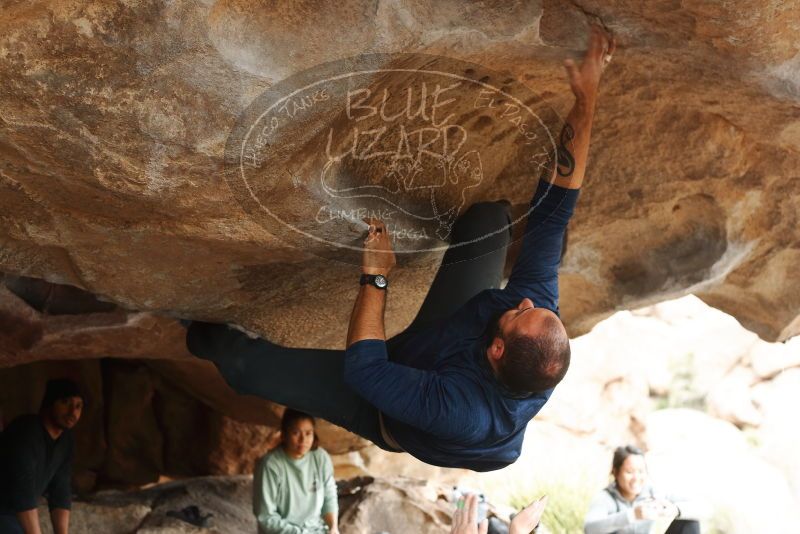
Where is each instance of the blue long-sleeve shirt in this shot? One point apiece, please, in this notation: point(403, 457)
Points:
point(435, 388)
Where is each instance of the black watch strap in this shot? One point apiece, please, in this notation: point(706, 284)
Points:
point(375, 280)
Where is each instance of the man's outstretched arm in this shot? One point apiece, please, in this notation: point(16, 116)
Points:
point(413, 396)
point(535, 273)
point(573, 149)
point(366, 321)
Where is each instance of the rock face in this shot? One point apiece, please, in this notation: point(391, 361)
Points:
point(367, 506)
point(706, 449)
point(114, 118)
point(394, 505)
point(228, 499)
point(153, 409)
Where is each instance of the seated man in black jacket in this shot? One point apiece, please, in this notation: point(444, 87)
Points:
point(36, 459)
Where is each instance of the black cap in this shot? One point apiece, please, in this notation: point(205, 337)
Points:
point(60, 388)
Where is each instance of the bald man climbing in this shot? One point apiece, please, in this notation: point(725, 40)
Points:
point(458, 387)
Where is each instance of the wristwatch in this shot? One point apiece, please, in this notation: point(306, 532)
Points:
point(377, 280)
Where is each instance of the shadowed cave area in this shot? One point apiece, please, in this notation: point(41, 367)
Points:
point(124, 209)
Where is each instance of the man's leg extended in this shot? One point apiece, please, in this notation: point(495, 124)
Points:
point(473, 262)
point(309, 380)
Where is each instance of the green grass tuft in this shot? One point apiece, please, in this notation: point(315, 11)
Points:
point(567, 503)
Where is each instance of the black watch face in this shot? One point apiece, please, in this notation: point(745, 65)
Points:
point(380, 281)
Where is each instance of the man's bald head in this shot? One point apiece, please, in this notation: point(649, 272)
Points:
point(529, 349)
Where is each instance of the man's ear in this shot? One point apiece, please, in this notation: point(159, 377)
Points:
point(496, 349)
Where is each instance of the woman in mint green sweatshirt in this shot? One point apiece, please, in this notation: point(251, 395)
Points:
point(294, 491)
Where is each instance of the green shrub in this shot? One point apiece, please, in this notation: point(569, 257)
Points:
point(567, 503)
